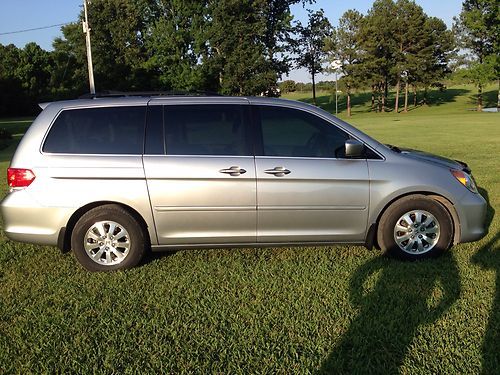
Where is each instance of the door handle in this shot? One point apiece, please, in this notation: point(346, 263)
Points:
point(277, 171)
point(233, 171)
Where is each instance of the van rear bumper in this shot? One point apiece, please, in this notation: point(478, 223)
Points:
point(25, 220)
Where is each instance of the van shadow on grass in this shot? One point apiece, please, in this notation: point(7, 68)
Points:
point(394, 299)
point(488, 257)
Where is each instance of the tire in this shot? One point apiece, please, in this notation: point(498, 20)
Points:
point(415, 227)
point(108, 238)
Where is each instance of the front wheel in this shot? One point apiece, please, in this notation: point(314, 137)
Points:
point(415, 227)
point(108, 238)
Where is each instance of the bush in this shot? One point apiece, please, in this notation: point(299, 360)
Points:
point(288, 86)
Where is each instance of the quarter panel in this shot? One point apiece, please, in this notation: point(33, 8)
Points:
point(73, 181)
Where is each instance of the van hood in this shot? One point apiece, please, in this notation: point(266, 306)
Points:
point(435, 159)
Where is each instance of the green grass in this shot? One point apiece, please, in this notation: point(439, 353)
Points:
point(338, 309)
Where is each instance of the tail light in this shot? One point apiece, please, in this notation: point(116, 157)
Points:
point(19, 177)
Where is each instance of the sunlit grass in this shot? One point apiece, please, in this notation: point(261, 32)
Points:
point(337, 309)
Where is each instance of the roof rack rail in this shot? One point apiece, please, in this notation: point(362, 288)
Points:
point(118, 94)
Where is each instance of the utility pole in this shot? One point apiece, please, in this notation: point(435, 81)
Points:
point(335, 66)
point(86, 31)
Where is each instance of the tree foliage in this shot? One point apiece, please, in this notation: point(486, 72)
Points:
point(478, 32)
point(310, 44)
point(244, 47)
point(238, 47)
point(344, 47)
point(394, 45)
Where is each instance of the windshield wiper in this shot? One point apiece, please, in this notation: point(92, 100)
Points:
point(394, 148)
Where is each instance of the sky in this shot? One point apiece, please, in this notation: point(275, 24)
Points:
point(18, 15)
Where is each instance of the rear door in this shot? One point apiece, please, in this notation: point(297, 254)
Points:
point(308, 191)
point(200, 172)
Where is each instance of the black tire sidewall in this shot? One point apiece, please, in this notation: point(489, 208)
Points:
point(398, 209)
point(111, 213)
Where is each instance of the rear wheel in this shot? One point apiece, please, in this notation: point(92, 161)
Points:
point(108, 238)
point(415, 227)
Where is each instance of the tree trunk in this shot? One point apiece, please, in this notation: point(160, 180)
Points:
point(373, 97)
point(314, 88)
point(384, 96)
point(406, 97)
point(386, 89)
point(498, 97)
point(414, 96)
point(379, 98)
point(348, 102)
point(479, 97)
point(396, 104)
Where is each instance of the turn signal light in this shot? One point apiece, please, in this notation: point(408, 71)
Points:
point(19, 177)
point(465, 180)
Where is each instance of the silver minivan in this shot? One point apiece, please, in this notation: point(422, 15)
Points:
point(111, 177)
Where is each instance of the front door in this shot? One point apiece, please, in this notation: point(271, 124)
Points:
point(308, 191)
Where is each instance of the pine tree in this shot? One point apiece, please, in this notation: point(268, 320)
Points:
point(408, 34)
point(344, 47)
point(310, 44)
point(478, 30)
point(379, 47)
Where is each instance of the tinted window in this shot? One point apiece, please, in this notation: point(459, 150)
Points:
point(294, 133)
point(205, 130)
point(155, 143)
point(111, 130)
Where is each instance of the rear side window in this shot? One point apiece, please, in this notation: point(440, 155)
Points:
point(206, 130)
point(110, 130)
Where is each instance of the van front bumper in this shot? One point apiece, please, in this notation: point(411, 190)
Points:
point(471, 211)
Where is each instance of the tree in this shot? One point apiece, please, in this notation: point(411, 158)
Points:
point(379, 47)
point(247, 43)
point(434, 55)
point(12, 95)
point(175, 45)
point(236, 52)
point(70, 75)
point(119, 29)
point(310, 44)
point(409, 36)
point(478, 30)
point(25, 78)
point(344, 47)
point(288, 86)
point(277, 39)
point(34, 70)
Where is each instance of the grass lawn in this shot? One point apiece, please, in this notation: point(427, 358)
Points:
point(340, 309)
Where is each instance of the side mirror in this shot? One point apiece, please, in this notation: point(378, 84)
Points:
point(354, 148)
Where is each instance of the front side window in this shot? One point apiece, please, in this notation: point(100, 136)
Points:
point(206, 130)
point(290, 132)
point(109, 130)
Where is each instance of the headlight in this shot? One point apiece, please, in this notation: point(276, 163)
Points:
point(465, 180)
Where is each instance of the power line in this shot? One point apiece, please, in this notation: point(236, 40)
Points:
point(34, 29)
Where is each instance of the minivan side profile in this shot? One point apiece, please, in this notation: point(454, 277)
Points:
point(110, 177)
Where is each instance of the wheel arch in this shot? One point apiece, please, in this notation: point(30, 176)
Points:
point(371, 238)
point(64, 240)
